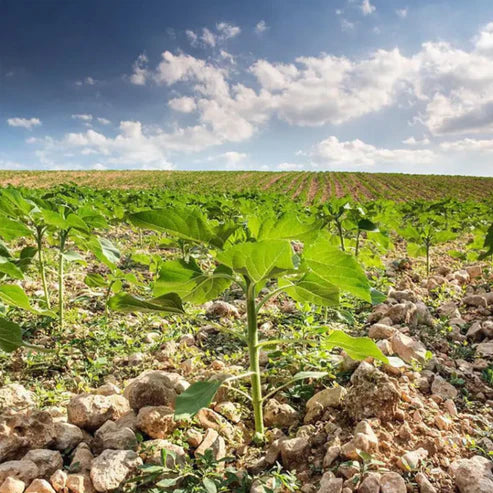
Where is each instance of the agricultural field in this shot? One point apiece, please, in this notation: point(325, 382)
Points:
point(245, 332)
point(302, 186)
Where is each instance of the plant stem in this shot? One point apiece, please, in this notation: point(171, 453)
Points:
point(341, 236)
point(107, 297)
point(254, 352)
point(357, 244)
point(63, 237)
point(427, 259)
point(39, 241)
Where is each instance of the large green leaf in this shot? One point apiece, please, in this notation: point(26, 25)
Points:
point(336, 267)
point(11, 229)
point(358, 348)
point(188, 224)
point(311, 289)
point(189, 282)
point(196, 397)
point(128, 303)
point(9, 268)
point(488, 243)
point(259, 260)
point(287, 227)
point(95, 280)
point(14, 295)
point(10, 335)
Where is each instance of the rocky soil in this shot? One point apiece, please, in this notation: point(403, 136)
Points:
point(426, 427)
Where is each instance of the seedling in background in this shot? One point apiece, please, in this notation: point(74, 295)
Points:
point(261, 261)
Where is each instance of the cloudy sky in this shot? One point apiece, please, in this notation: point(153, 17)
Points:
point(358, 85)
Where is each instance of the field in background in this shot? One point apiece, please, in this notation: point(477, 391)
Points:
point(308, 187)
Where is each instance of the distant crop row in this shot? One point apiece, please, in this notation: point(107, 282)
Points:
point(303, 186)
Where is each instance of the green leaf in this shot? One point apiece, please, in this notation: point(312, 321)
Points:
point(302, 375)
point(287, 227)
point(259, 260)
point(415, 250)
point(338, 268)
point(377, 297)
point(209, 485)
point(10, 335)
point(312, 289)
point(15, 296)
point(9, 268)
point(189, 282)
point(95, 281)
point(128, 303)
point(72, 256)
point(196, 397)
point(358, 348)
point(488, 243)
point(10, 229)
point(188, 224)
point(367, 225)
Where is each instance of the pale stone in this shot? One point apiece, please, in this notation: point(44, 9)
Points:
point(48, 461)
point(279, 415)
point(89, 411)
point(12, 485)
point(391, 482)
point(110, 469)
point(40, 486)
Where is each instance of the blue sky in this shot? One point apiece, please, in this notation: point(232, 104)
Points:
point(358, 85)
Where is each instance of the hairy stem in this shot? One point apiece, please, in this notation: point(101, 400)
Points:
point(254, 352)
point(63, 237)
point(341, 236)
point(41, 263)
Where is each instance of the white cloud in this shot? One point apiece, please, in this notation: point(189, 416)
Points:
point(233, 157)
point(367, 8)
point(103, 121)
point(402, 13)
point(209, 38)
point(89, 81)
point(290, 166)
point(484, 40)
point(468, 145)
point(28, 123)
point(184, 104)
point(227, 31)
point(192, 37)
point(140, 73)
point(261, 27)
point(333, 153)
point(82, 117)
point(411, 141)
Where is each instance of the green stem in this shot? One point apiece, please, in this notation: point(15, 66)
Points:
point(107, 297)
point(254, 353)
point(427, 259)
point(63, 238)
point(39, 241)
point(357, 244)
point(341, 236)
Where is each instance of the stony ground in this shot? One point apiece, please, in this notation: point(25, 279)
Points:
point(69, 425)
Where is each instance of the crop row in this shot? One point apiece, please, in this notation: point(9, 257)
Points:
point(303, 186)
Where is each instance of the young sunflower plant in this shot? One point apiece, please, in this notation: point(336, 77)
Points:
point(258, 256)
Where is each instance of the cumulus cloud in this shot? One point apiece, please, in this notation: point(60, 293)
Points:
point(411, 141)
point(103, 121)
point(184, 104)
point(28, 123)
point(333, 153)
